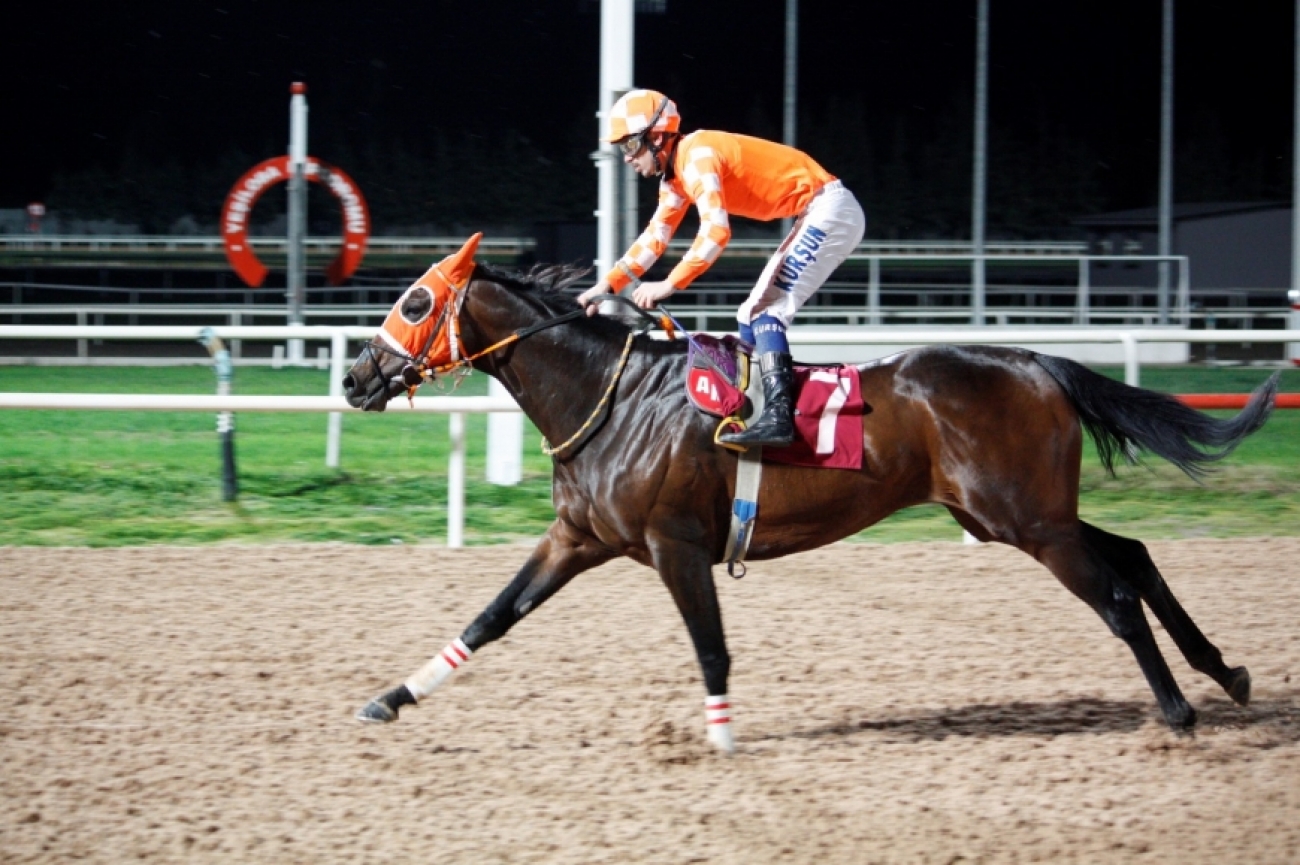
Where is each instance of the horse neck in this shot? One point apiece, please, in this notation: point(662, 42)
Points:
point(557, 375)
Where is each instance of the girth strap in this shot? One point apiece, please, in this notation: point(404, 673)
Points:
point(749, 474)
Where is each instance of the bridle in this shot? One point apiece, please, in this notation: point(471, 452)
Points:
point(418, 371)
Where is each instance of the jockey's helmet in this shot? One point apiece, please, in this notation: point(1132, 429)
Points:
point(640, 111)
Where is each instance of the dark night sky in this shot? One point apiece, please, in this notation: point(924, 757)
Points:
point(80, 83)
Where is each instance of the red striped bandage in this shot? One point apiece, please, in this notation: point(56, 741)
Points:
point(717, 716)
point(717, 710)
point(442, 665)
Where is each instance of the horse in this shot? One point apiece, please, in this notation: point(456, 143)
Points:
point(993, 434)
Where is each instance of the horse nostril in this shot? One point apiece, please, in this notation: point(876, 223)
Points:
point(349, 382)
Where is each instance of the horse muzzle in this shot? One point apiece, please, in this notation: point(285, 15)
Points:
point(372, 395)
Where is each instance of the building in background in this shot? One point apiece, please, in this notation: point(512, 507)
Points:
point(1239, 253)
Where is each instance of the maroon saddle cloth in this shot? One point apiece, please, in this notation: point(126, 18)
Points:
point(828, 402)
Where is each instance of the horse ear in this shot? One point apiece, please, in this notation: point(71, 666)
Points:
point(458, 267)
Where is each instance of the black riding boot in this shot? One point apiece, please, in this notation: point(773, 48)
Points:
point(775, 427)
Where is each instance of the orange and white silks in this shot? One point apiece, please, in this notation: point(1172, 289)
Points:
point(433, 340)
point(723, 174)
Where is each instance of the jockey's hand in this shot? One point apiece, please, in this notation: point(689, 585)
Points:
point(589, 297)
point(649, 294)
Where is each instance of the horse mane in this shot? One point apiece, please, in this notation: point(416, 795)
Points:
point(548, 284)
point(546, 278)
point(545, 282)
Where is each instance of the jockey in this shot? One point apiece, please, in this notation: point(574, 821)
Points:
point(723, 173)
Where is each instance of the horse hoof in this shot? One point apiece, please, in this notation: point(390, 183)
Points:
point(720, 737)
point(1182, 720)
point(1239, 686)
point(376, 712)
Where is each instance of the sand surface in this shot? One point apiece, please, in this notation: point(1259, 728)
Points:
point(903, 703)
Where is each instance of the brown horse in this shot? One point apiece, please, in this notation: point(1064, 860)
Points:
point(993, 434)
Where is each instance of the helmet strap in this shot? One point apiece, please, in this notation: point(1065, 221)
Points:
point(647, 135)
point(667, 148)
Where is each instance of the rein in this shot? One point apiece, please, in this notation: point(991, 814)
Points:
point(417, 371)
point(600, 406)
point(665, 321)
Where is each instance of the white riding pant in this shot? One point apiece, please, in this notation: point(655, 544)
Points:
point(828, 230)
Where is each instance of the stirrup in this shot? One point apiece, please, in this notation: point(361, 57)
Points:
point(764, 443)
point(733, 420)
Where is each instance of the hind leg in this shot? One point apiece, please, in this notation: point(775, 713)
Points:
point(1131, 559)
point(1088, 573)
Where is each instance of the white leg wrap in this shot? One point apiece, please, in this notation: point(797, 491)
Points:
point(434, 673)
point(717, 718)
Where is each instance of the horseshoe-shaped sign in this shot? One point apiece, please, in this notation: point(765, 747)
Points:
point(244, 194)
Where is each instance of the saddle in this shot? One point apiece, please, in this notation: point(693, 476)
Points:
point(828, 402)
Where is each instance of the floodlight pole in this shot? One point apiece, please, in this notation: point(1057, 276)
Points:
point(296, 278)
point(617, 50)
point(791, 85)
point(981, 145)
point(1166, 155)
point(1293, 296)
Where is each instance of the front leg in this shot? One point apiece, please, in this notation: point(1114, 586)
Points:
point(686, 569)
point(560, 556)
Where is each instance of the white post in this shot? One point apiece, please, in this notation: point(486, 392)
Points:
point(1184, 290)
point(1132, 362)
point(617, 49)
point(334, 434)
point(456, 482)
point(505, 447)
point(873, 289)
point(981, 161)
point(296, 276)
point(1085, 290)
point(1166, 157)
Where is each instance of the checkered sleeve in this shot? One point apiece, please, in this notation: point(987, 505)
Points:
point(702, 178)
point(653, 241)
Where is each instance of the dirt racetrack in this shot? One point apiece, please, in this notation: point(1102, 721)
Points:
point(901, 703)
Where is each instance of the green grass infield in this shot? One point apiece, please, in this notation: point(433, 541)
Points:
point(116, 478)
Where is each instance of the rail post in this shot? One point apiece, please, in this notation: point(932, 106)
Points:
point(505, 444)
point(225, 420)
point(334, 433)
point(1293, 323)
point(1132, 368)
point(456, 482)
point(1083, 309)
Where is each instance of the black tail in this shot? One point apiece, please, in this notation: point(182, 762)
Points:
point(1119, 417)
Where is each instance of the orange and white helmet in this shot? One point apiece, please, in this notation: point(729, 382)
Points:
point(640, 110)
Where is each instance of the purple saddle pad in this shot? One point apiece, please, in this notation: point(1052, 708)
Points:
point(710, 351)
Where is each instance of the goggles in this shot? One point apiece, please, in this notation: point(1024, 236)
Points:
point(632, 146)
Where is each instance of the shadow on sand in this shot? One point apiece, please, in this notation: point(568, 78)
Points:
point(1277, 717)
